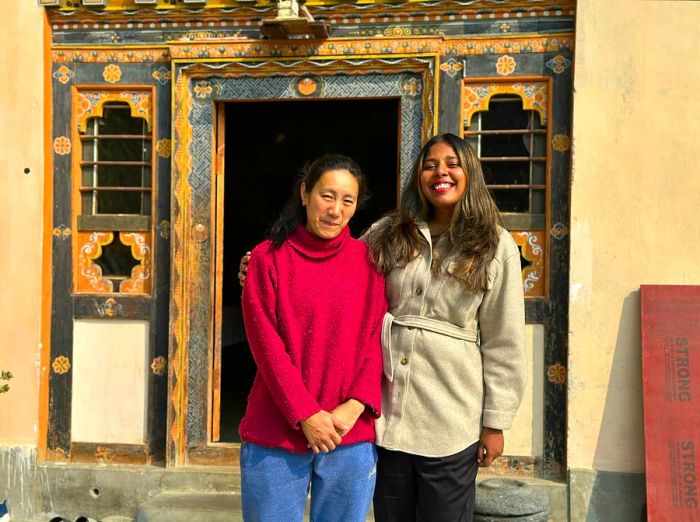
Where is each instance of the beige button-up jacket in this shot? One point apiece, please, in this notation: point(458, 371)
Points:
point(440, 384)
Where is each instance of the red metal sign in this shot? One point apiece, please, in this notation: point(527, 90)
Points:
point(671, 375)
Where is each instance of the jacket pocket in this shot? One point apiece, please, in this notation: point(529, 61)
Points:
point(387, 357)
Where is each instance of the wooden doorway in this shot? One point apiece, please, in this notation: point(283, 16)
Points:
point(266, 144)
point(379, 114)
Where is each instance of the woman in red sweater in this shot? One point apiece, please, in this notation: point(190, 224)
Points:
point(313, 306)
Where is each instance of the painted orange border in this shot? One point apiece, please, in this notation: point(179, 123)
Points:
point(46, 250)
point(76, 155)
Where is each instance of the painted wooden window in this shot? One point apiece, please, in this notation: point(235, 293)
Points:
point(506, 124)
point(113, 195)
point(116, 163)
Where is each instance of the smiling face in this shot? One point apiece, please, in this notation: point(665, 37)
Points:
point(330, 203)
point(442, 179)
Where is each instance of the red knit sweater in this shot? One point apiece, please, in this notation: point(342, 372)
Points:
point(313, 312)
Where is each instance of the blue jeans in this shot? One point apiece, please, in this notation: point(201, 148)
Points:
point(275, 483)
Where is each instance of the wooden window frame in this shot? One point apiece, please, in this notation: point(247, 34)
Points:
point(521, 225)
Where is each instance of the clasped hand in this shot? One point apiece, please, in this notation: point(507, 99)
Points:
point(324, 430)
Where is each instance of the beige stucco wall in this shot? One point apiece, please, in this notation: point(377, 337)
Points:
point(21, 198)
point(635, 202)
point(110, 381)
point(525, 437)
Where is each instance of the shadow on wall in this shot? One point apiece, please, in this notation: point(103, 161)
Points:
point(618, 495)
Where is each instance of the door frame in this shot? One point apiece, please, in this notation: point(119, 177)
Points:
point(198, 164)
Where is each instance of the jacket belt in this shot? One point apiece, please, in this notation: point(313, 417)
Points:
point(424, 323)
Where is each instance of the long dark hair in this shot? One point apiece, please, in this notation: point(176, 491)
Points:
point(472, 236)
point(294, 212)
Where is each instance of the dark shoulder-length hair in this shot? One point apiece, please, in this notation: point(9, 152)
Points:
point(294, 212)
point(472, 236)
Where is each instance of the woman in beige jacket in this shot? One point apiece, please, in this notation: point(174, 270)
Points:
point(453, 342)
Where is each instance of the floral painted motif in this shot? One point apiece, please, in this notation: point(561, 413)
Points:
point(505, 65)
point(561, 142)
point(62, 145)
point(59, 455)
point(556, 373)
point(162, 75)
point(62, 232)
point(61, 364)
point(63, 74)
point(164, 229)
point(164, 148)
point(203, 89)
point(112, 73)
point(412, 87)
point(452, 67)
point(103, 454)
point(558, 64)
point(559, 231)
point(159, 365)
point(109, 308)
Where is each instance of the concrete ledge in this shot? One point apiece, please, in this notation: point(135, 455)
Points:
point(101, 491)
point(193, 507)
point(604, 496)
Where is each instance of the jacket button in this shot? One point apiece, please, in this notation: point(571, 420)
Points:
point(403, 361)
point(419, 291)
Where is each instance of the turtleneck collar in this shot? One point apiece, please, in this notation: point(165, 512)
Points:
point(316, 247)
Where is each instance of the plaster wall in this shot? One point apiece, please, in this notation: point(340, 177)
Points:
point(21, 200)
point(110, 383)
point(635, 199)
point(525, 436)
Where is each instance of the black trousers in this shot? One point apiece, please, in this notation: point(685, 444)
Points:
point(425, 489)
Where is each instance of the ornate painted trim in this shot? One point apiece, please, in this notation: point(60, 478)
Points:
point(105, 55)
point(90, 104)
point(453, 9)
point(227, 48)
point(476, 96)
point(193, 104)
point(532, 247)
point(140, 280)
point(89, 277)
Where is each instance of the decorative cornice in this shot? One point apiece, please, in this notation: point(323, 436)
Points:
point(346, 47)
point(67, 10)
